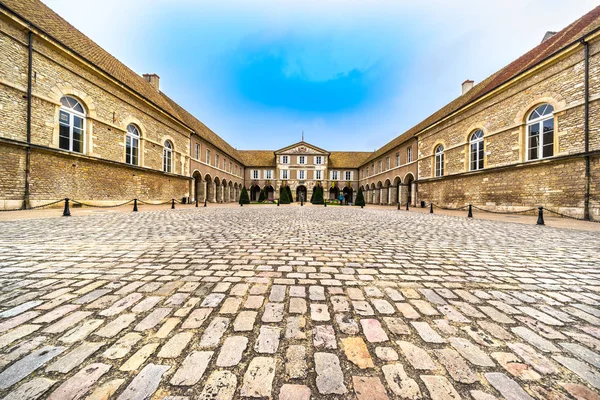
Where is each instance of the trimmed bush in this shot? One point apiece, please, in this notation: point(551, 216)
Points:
point(360, 198)
point(262, 197)
point(289, 193)
point(283, 195)
point(318, 195)
point(244, 199)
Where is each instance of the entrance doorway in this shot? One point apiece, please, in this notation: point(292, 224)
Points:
point(301, 193)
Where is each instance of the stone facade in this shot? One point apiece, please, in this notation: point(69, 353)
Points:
point(204, 167)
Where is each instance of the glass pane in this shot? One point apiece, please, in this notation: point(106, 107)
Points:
point(134, 158)
point(127, 157)
point(78, 122)
point(63, 118)
point(77, 146)
point(77, 134)
point(63, 140)
point(548, 150)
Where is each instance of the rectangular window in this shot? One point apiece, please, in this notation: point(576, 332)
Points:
point(197, 154)
point(217, 160)
point(284, 174)
point(409, 154)
point(301, 174)
point(380, 166)
point(348, 175)
point(334, 175)
point(254, 174)
point(268, 174)
point(318, 160)
point(397, 159)
point(318, 174)
point(207, 156)
point(301, 160)
point(387, 163)
point(230, 167)
point(439, 164)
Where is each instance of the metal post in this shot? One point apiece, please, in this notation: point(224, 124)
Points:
point(277, 202)
point(430, 208)
point(470, 214)
point(196, 201)
point(407, 206)
point(398, 206)
point(66, 211)
point(540, 220)
point(362, 206)
point(172, 204)
point(204, 202)
point(135, 205)
point(241, 204)
point(325, 204)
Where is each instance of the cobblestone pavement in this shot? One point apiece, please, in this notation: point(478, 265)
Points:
point(297, 303)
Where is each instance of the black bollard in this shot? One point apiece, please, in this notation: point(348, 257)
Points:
point(301, 203)
point(407, 206)
point(324, 204)
point(135, 205)
point(196, 202)
point(241, 204)
point(362, 206)
point(398, 206)
point(540, 220)
point(430, 208)
point(172, 204)
point(277, 202)
point(470, 214)
point(66, 211)
point(204, 202)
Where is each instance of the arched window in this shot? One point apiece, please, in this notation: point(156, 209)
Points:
point(540, 133)
point(476, 144)
point(168, 157)
point(132, 145)
point(439, 160)
point(71, 121)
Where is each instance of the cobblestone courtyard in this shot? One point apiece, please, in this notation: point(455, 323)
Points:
point(297, 303)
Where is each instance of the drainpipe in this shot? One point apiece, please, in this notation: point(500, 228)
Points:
point(586, 130)
point(26, 200)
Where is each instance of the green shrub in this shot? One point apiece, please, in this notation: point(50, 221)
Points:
point(317, 197)
point(360, 198)
point(244, 199)
point(289, 193)
point(283, 195)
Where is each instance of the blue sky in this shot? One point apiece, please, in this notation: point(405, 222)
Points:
point(351, 74)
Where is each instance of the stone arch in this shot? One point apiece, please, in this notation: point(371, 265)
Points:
point(269, 192)
point(199, 187)
point(410, 186)
point(210, 188)
point(556, 101)
point(89, 107)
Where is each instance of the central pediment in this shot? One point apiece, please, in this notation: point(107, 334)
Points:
point(302, 148)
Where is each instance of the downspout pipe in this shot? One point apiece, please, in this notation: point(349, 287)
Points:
point(26, 199)
point(586, 129)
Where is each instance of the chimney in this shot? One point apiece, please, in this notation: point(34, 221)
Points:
point(548, 35)
point(153, 79)
point(467, 85)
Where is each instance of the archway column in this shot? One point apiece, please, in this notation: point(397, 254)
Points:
point(212, 191)
point(413, 194)
point(404, 194)
point(202, 191)
point(376, 194)
point(393, 194)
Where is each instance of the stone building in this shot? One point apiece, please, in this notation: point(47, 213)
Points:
point(78, 123)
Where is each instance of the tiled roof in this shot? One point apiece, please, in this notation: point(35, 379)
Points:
point(347, 159)
point(203, 131)
point(258, 158)
point(42, 17)
point(562, 39)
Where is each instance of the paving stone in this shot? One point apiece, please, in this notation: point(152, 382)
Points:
point(580, 368)
point(346, 324)
point(511, 363)
point(400, 383)
point(440, 388)
point(30, 390)
point(268, 340)
point(122, 346)
point(117, 325)
point(67, 322)
point(122, 305)
point(147, 304)
point(220, 385)
point(192, 368)
point(294, 392)
point(273, 312)
point(534, 339)
point(324, 337)
point(230, 306)
point(232, 350)
point(373, 331)
point(330, 379)
point(258, 378)
point(254, 302)
point(585, 354)
point(213, 333)
point(416, 356)
point(20, 309)
point(16, 334)
point(167, 327)
point(533, 358)
point(196, 318)
point(17, 351)
point(427, 333)
point(297, 306)
point(28, 364)
point(82, 331)
point(139, 357)
point(106, 390)
point(212, 300)
point(356, 351)
point(506, 386)
point(80, 383)
point(386, 354)
point(319, 312)
point(145, 383)
point(294, 328)
point(296, 366)
point(456, 366)
point(471, 352)
point(175, 345)
point(369, 388)
point(75, 357)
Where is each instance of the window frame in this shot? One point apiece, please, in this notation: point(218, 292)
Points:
point(397, 159)
point(318, 175)
point(409, 155)
point(73, 113)
point(168, 155)
point(130, 137)
point(539, 123)
point(480, 150)
point(207, 156)
point(197, 151)
point(302, 160)
point(439, 153)
point(334, 175)
point(269, 174)
point(285, 160)
point(302, 174)
point(285, 174)
point(348, 175)
point(255, 174)
point(318, 160)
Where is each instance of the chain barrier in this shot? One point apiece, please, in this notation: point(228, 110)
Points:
point(154, 204)
point(450, 208)
point(96, 206)
point(505, 212)
point(36, 207)
point(567, 216)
